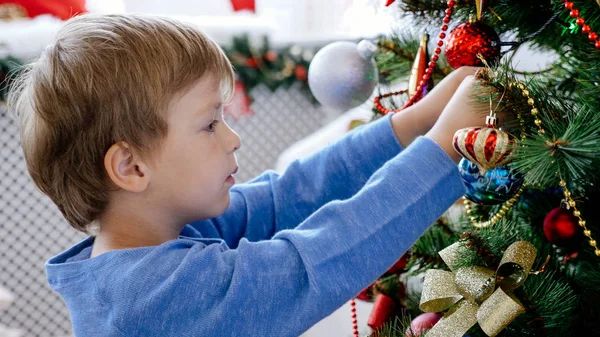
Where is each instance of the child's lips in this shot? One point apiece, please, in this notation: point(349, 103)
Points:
point(230, 178)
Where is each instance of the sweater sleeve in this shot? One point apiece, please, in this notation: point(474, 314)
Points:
point(272, 202)
point(283, 286)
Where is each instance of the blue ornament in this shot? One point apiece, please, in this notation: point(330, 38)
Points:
point(494, 187)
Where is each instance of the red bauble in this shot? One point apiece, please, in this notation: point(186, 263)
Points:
point(422, 323)
point(561, 226)
point(469, 39)
point(383, 309)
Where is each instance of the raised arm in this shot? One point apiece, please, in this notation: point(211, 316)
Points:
point(282, 286)
point(273, 202)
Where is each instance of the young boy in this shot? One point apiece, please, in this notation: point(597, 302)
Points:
point(121, 125)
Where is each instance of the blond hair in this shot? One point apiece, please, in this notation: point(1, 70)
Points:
point(103, 80)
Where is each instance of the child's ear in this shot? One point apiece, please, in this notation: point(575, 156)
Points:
point(125, 168)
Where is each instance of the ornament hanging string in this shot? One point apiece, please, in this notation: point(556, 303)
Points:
point(515, 44)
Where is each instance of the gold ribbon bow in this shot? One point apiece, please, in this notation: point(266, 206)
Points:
point(476, 294)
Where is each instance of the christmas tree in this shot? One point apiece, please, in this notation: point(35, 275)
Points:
point(518, 256)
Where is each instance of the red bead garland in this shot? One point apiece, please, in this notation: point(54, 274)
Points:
point(385, 110)
point(354, 320)
point(585, 29)
point(428, 71)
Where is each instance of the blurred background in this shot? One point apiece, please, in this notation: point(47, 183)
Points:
point(270, 42)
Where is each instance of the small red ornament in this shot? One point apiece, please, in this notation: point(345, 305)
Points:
point(271, 56)
point(468, 40)
point(383, 309)
point(239, 5)
point(422, 323)
point(561, 226)
point(301, 73)
point(251, 62)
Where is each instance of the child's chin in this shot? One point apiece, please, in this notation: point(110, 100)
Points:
point(219, 208)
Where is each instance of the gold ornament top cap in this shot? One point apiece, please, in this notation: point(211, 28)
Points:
point(479, 8)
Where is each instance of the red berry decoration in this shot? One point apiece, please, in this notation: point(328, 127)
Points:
point(271, 56)
point(251, 62)
point(469, 39)
point(301, 73)
point(561, 226)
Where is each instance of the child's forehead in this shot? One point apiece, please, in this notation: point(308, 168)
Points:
point(204, 93)
point(206, 88)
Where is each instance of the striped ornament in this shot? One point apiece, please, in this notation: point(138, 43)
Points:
point(486, 147)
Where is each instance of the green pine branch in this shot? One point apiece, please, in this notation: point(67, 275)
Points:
point(396, 327)
point(424, 252)
point(395, 55)
point(569, 150)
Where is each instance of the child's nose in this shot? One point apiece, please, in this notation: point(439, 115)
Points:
point(234, 141)
point(238, 141)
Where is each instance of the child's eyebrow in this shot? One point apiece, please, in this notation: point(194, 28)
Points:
point(209, 108)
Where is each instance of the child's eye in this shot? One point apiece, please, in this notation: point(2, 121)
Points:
point(211, 126)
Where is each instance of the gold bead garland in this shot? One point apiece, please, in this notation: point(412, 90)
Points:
point(577, 214)
point(494, 218)
point(571, 203)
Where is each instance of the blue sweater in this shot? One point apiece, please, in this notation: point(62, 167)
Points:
point(289, 250)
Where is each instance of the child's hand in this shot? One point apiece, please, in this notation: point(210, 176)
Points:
point(431, 106)
point(461, 112)
point(419, 118)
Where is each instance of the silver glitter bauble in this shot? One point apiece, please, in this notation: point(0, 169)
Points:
point(342, 75)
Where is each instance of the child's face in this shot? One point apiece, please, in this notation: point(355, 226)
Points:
point(192, 176)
